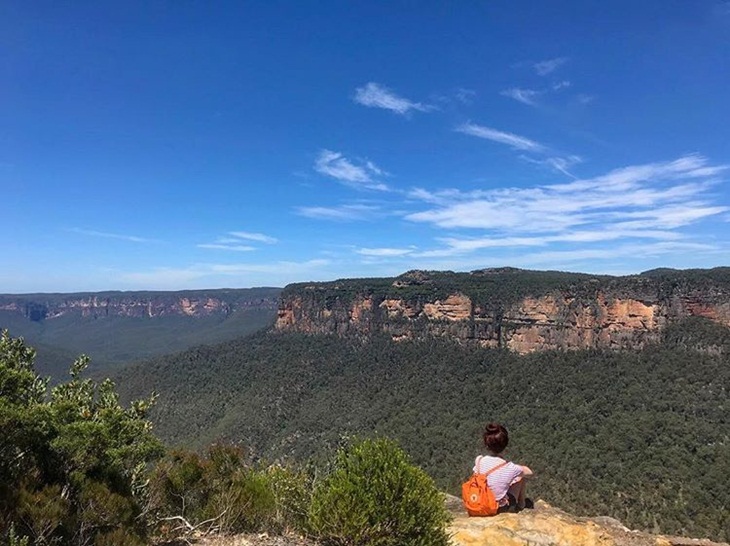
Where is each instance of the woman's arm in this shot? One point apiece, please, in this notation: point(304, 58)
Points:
point(526, 472)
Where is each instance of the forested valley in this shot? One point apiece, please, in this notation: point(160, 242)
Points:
point(638, 435)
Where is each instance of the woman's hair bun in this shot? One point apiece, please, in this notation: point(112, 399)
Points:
point(496, 437)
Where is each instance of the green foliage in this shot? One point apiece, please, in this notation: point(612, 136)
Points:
point(14, 540)
point(292, 489)
point(223, 492)
point(494, 288)
point(18, 382)
point(374, 496)
point(617, 433)
point(72, 463)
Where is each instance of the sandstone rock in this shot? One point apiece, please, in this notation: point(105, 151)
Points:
point(617, 313)
point(454, 307)
point(548, 526)
point(543, 526)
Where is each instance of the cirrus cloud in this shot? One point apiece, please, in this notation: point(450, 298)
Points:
point(512, 140)
point(375, 95)
point(336, 165)
point(653, 201)
point(239, 241)
point(548, 66)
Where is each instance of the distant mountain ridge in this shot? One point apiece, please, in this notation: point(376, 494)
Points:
point(115, 328)
point(37, 307)
point(520, 310)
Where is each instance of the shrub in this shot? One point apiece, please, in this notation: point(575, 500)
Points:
point(245, 503)
point(218, 492)
point(178, 490)
point(292, 491)
point(374, 496)
point(72, 460)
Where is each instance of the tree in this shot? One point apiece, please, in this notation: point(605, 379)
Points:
point(72, 461)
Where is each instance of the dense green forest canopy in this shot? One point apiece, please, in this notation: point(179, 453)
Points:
point(502, 286)
point(642, 436)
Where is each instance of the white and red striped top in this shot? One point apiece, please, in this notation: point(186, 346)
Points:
point(500, 480)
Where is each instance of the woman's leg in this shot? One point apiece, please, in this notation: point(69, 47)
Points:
point(517, 489)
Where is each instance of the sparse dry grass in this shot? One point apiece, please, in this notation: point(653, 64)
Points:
point(249, 539)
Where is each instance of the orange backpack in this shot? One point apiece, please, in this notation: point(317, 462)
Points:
point(478, 498)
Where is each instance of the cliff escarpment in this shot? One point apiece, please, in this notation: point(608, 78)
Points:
point(119, 327)
point(189, 303)
point(523, 311)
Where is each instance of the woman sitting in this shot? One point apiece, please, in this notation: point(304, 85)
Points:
point(507, 481)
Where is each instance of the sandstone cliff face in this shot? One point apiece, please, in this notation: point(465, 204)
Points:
point(589, 313)
point(38, 307)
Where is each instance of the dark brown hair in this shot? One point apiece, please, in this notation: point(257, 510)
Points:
point(495, 438)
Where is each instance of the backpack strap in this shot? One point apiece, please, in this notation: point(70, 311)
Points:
point(494, 468)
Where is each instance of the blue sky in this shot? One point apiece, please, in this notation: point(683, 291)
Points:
point(171, 145)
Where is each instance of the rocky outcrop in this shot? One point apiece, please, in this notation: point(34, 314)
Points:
point(39, 307)
point(548, 526)
point(517, 310)
point(543, 526)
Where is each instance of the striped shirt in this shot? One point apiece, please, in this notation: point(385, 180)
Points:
point(500, 480)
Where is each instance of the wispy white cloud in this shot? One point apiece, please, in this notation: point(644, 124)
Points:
point(235, 241)
point(107, 235)
point(562, 164)
point(227, 246)
point(454, 246)
point(691, 167)
point(375, 95)
point(384, 252)
point(512, 140)
point(337, 166)
point(465, 96)
point(543, 68)
point(342, 213)
point(610, 252)
point(541, 154)
point(612, 258)
point(276, 273)
point(525, 96)
point(559, 86)
point(650, 202)
point(672, 216)
point(273, 267)
point(258, 237)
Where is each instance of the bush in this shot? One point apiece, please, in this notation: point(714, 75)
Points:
point(374, 496)
point(220, 492)
point(292, 491)
point(72, 461)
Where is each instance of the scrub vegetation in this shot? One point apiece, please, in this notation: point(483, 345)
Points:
point(78, 468)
